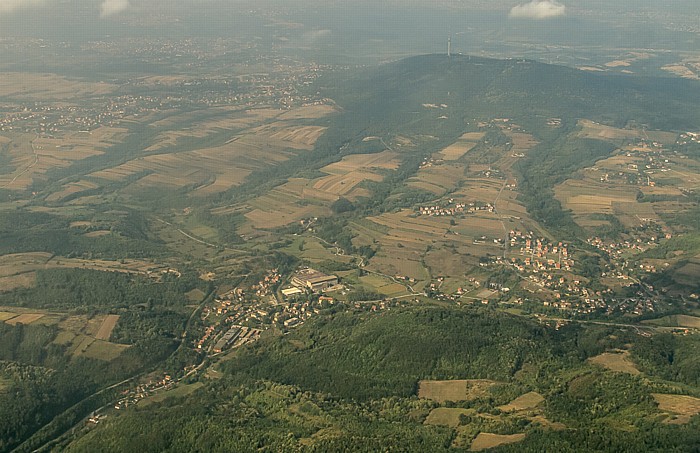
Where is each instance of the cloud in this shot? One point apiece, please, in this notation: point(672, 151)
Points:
point(110, 7)
point(8, 6)
point(538, 9)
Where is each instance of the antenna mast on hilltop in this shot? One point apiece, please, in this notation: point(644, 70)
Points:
point(449, 46)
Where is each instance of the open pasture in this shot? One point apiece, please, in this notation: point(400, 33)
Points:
point(484, 441)
point(462, 146)
point(524, 402)
point(438, 178)
point(383, 285)
point(454, 390)
point(616, 361)
point(522, 141)
point(594, 130)
point(684, 407)
point(692, 322)
point(447, 416)
point(396, 262)
point(106, 327)
point(101, 350)
point(25, 318)
point(443, 261)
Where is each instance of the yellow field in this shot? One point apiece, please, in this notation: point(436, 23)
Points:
point(523, 402)
point(438, 179)
point(616, 361)
point(447, 416)
point(345, 175)
point(487, 440)
point(107, 326)
point(454, 390)
point(684, 406)
point(462, 146)
point(26, 318)
point(5, 315)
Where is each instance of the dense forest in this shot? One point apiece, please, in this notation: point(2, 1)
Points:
point(348, 382)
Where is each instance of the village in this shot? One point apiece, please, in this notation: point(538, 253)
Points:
point(239, 315)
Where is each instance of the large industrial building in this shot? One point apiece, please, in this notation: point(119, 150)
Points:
point(314, 280)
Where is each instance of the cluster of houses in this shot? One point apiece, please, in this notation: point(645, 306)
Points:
point(689, 137)
point(538, 252)
point(642, 242)
point(267, 284)
point(455, 208)
point(132, 396)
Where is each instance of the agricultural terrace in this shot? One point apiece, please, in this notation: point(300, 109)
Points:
point(32, 156)
point(301, 198)
point(641, 182)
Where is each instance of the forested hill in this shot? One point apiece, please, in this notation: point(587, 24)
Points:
point(471, 87)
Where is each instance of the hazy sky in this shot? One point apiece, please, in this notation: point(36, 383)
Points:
point(410, 26)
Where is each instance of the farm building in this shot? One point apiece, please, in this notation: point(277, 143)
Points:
point(313, 280)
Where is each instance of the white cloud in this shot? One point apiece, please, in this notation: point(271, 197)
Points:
point(538, 9)
point(110, 7)
point(7, 6)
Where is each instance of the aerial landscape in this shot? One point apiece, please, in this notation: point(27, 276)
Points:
point(324, 225)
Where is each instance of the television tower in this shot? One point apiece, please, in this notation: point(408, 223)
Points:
point(449, 46)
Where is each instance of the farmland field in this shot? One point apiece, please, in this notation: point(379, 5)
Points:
point(455, 390)
point(107, 326)
point(485, 441)
point(683, 406)
point(523, 402)
point(676, 321)
point(447, 416)
point(25, 318)
point(616, 361)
